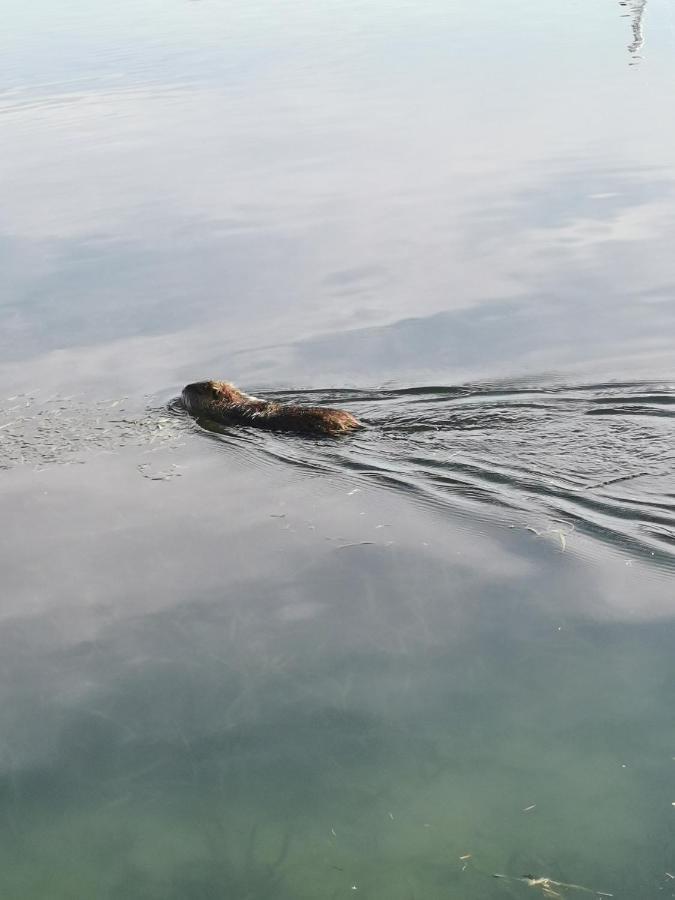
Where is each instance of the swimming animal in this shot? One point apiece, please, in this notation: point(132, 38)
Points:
point(220, 401)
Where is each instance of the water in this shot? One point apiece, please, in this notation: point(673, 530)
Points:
point(243, 665)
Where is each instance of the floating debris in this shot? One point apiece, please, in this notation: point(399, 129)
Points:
point(159, 474)
point(355, 544)
point(549, 887)
point(465, 861)
point(561, 533)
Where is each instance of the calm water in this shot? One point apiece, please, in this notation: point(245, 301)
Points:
point(244, 666)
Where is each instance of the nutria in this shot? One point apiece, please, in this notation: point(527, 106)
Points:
point(220, 401)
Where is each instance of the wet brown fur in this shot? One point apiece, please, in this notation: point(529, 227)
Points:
point(222, 402)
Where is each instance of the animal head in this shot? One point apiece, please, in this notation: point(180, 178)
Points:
point(198, 393)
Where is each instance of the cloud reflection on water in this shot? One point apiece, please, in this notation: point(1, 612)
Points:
point(156, 690)
point(588, 265)
point(314, 194)
point(240, 208)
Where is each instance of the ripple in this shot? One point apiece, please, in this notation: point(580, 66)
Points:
point(596, 458)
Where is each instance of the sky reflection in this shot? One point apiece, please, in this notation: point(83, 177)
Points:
point(312, 197)
point(275, 673)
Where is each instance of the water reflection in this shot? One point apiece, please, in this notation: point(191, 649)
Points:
point(274, 307)
point(636, 10)
point(318, 205)
point(304, 670)
point(510, 334)
point(264, 701)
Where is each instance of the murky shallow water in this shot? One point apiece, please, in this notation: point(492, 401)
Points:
point(243, 665)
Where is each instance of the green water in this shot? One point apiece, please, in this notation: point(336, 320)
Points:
point(257, 706)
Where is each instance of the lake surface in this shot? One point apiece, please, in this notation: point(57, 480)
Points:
point(243, 665)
